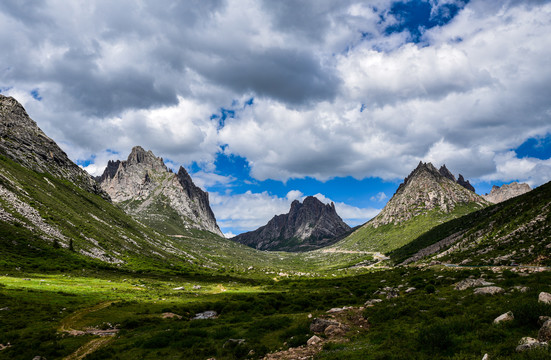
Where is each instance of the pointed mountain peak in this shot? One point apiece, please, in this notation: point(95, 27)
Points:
point(446, 173)
point(308, 225)
point(465, 183)
point(506, 192)
point(425, 189)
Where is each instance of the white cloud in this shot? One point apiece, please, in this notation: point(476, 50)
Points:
point(380, 197)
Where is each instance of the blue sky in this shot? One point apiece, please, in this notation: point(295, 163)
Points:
point(266, 101)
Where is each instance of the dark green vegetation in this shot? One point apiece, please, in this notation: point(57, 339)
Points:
point(433, 322)
point(389, 237)
point(517, 231)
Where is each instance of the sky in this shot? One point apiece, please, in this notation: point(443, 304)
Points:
point(265, 102)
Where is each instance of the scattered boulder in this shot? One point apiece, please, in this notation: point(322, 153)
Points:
point(233, 342)
point(372, 302)
point(334, 330)
point(337, 310)
point(545, 331)
point(543, 319)
point(522, 289)
point(528, 343)
point(508, 316)
point(470, 283)
point(196, 287)
point(544, 297)
point(179, 288)
point(38, 357)
point(210, 314)
point(314, 340)
point(169, 315)
point(410, 290)
point(319, 325)
point(488, 290)
point(486, 357)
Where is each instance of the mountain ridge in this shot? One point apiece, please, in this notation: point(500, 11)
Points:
point(144, 187)
point(308, 225)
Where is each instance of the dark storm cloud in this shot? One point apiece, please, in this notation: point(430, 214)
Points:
point(291, 76)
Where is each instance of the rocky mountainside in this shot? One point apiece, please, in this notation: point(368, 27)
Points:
point(145, 188)
point(308, 225)
point(516, 231)
point(25, 143)
point(506, 192)
point(461, 180)
point(426, 188)
point(426, 198)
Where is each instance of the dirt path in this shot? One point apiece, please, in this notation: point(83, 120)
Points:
point(68, 326)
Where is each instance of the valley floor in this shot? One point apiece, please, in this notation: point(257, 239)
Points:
point(402, 313)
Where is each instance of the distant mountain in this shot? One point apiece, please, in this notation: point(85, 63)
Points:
point(145, 188)
point(515, 231)
point(506, 192)
point(426, 198)
point(24, 142)
point(308, 225)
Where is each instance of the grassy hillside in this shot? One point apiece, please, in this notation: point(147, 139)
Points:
point(389, 237)
point(515, 231)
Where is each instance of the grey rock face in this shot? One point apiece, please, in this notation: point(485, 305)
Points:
point(488, 290)
point(147, 189)
point(308, 225)
point(24, 142)
point(506, 192)
point(465, 183)
point(425, 189)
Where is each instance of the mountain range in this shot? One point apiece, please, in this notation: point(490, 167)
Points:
point(140, 212)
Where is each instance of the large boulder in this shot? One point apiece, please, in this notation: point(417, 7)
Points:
point(508, 316)
point(544, 297)
point(334, 330)
point(528, 343)
point(470, 283)
point(488, 290)
point(319, 325)
point(314, 340)
point(545, 331)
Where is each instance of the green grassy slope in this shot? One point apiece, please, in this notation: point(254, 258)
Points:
point(389, 237)
point(515, 231)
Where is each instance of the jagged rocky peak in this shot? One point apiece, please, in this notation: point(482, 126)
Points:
point(308, 225)
point(24, 142)
point(506, 192)
point(465, 183)
point(148, 190)
point(426, 188)
point(446, 173)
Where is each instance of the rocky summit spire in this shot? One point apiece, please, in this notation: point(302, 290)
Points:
point(149, 191)
point(308, 225)
point(423, 190)
point(506, 192)
point(25, 143)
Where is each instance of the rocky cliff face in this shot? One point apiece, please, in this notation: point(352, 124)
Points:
point(308, 225)
point(24, 142)
point(145, 188)
point(426, 188)
point(506, 192)
point(461, 180)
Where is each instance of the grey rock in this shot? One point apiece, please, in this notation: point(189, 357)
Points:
point(142, 184)
point(209, 314)
point(543, 319)
point(334, 330)
point(179, 288)
point(314, 340)
point(470, 283)
point(465, 183)
point(506, 192)
point(486, 357)
point(544, 333)
point(423, 190)
point(234, 342)
point(372, 302)
point(508, 316)
point(196, 287)
point(319, 325)
point(308, 225)
point(489, 290)
point(528, 343)
point(544, 297)
point(410, 290)
point(25, 143)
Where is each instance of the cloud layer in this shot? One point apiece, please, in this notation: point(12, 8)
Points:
point(348, 88)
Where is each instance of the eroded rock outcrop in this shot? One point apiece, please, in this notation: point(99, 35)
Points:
point(25, 143)
point(144, 187)
point(506, 192)
point(308, 225)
